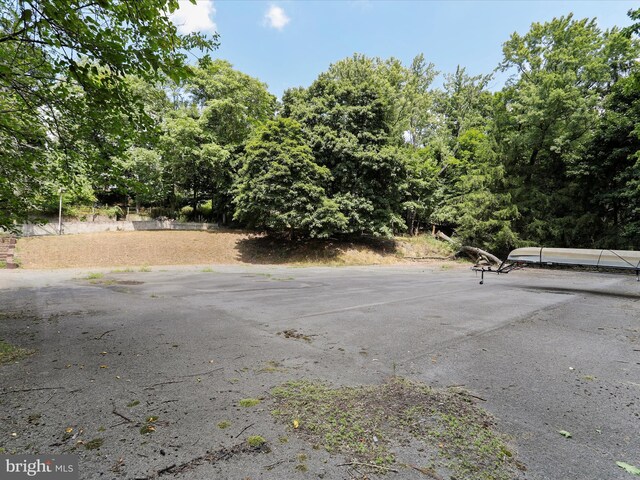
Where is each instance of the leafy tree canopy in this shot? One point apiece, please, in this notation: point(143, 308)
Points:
point(280, 187)
point(548, 114)
point(62, 81)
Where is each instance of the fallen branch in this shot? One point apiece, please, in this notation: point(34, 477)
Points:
point(150, 387)
point(471, 251)
point(166, 469)
point(269, 467)
point(121, 415)
point(427, 471)
point(244, 429)
point(427, 258)
point(202, 374)
point(481, 254)
point(387, 469)
point(108, 331)
point(209, 457)
point(467, 394)
point(31, 390)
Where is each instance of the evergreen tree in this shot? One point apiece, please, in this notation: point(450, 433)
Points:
point(280, 187)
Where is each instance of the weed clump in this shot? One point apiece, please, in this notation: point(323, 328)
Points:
point(256, 441)
point(94, 444)
point(11, 353)
point(455, 437)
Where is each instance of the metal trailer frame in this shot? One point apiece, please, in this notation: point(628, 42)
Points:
point(570, 257)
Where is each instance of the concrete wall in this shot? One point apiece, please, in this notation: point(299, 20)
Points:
point(72, 228)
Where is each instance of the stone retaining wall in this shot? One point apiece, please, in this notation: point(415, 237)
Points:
point(7, 247)
point(72, 228)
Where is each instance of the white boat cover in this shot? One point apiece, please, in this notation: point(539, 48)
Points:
point(625, 259)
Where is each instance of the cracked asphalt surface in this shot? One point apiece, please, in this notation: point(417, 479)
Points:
point(543, 350)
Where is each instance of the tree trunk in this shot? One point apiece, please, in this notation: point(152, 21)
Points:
point(476, 253)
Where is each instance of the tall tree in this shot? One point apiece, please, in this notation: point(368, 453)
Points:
point(231, 104)
point(280, 187)
point(464, 102)
point(349, 114)
point(472, 198)
point(68, 61)
point(420, 187)
point(185, 164)
point(547, 116)
point(609, 181)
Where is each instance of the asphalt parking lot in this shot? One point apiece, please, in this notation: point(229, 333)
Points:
point(542, 351)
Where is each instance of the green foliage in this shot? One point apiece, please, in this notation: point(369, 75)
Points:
point(203, 137)
point(546, 117)
point(366, 423)
point(280, 188)
point(249, 402)
point(419, 187)
point(11, 353)
point(464, 103)
point(232, 102)
point(472, 198)
point(256, 441)
point(140, 174)
point(610, 180)
point(94, 444)
point(632, 469)
point(65, 99)
point(97, 99)
point(351, 119)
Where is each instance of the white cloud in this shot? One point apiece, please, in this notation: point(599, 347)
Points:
point(191, 18)
point(276, 18)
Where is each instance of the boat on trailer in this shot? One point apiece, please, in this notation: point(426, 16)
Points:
point(628, 260)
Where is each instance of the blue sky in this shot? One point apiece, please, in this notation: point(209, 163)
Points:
point(288, 43)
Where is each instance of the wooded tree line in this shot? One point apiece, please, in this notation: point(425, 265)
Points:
point(370, 147)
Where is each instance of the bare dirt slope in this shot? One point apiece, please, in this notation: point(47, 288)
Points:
point(122, 249)
point(129, 249)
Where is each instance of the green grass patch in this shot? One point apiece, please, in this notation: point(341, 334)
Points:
point(224, 424)
point(94, 444)
point(149, 426)
point(423, 246)
point(256, 441)
point(94, 276)
point(249, 402)
point(271, 366)
point(11, 353)
point(456, 438)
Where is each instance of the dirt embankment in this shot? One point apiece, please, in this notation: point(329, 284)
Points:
point(114, 249)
